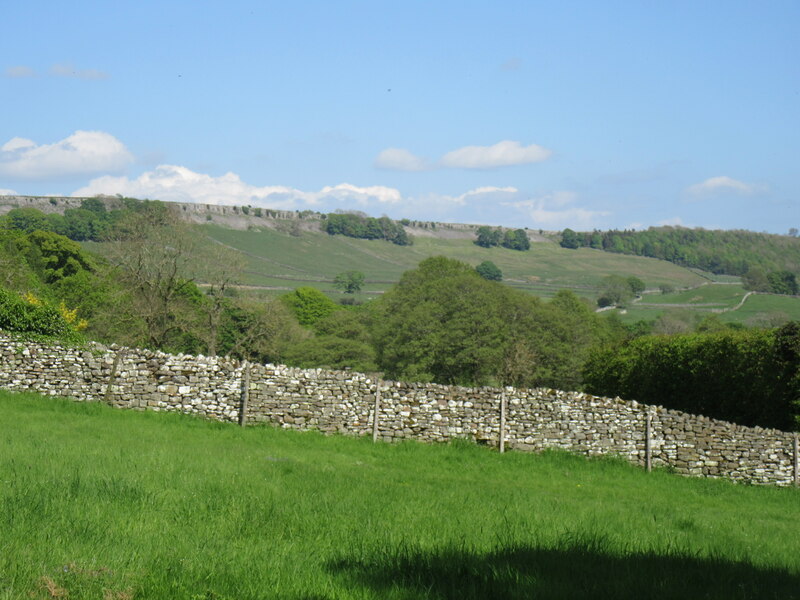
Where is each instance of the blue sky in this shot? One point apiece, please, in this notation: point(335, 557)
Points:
point(527, 114)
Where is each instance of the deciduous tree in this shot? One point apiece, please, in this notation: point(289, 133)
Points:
point(349, 282)
point(488, 270)
point(309, 305)
point(487, 237)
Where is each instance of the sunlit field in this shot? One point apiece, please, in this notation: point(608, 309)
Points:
point(102, 503)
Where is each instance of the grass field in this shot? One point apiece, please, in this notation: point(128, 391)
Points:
point(543, 269)
point(709, 296)
point(758, 310)
point(278, 262)
point(101, 503)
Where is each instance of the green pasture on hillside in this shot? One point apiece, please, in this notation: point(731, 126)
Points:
point(278, 262)
point(706, 296)
point(761, 309)
point(101, 503)
point(315, 256)
point(722, 300)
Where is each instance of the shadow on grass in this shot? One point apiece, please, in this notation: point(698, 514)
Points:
point(573, 571)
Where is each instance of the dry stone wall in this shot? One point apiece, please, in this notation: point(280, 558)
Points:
point(346, 402)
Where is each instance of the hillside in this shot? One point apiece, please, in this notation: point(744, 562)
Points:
point(275, 258)
point(100, 503)
point(278, 262)
point(722, 252)
point(287, 249)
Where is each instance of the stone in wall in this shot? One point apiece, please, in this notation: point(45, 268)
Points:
point(344, 402)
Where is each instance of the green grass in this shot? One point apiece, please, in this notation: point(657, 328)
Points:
point(545, 267)
point(278, 262)
point(758, 310)
point(707, 296)
point(761, 309)
point(100, 503)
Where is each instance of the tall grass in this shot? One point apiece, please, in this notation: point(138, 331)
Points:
point(99, 503)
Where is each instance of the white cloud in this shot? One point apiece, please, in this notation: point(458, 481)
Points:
point(4, 192)
point(722, 183)
point(552, 211)
point(179, 184)
point(398, 159)
point(17, 143)
point(19, 72)
point(502, 154)
point(479, 205)
point(484, 193)
point(362, 195)
point(82, 153)
point(67, 70)
point(443, 202)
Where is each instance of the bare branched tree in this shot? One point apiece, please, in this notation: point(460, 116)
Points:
point(266, 329)
point(219, 271)
point(157, 258)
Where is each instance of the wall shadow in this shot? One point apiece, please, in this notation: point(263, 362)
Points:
point(573, 571)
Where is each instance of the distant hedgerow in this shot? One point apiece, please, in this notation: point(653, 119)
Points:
point(369, 228)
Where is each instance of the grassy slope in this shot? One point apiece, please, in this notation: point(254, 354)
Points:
point(542, 270)
point(98, 503)
point(281, 262)
point(759, 307)
point(712, 296)
point(708, 299)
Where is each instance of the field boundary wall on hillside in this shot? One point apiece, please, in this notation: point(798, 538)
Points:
point(345, 402)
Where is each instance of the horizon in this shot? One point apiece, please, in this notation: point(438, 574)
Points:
point(367, 214)
point(574, 115)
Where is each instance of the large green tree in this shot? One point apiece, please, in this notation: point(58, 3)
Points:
point(614, 291)
point(26, 219)
point(309, 305)
point(782, 282)
point(54, 256)
point(516, 240)
point(487, 237)
point(349, 282)
point(442, 322)
point(570, 239)
point(445, 323)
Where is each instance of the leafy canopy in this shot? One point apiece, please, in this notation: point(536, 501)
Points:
point(488, 270)
point(443, 322)
point(309, 305)
point(349, 282)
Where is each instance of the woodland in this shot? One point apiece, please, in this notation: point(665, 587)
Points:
point(160, 283)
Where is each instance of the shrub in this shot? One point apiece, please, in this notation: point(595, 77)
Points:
point(488, 270)
point(739, 376)
point(30, 315)
point(666, 288)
